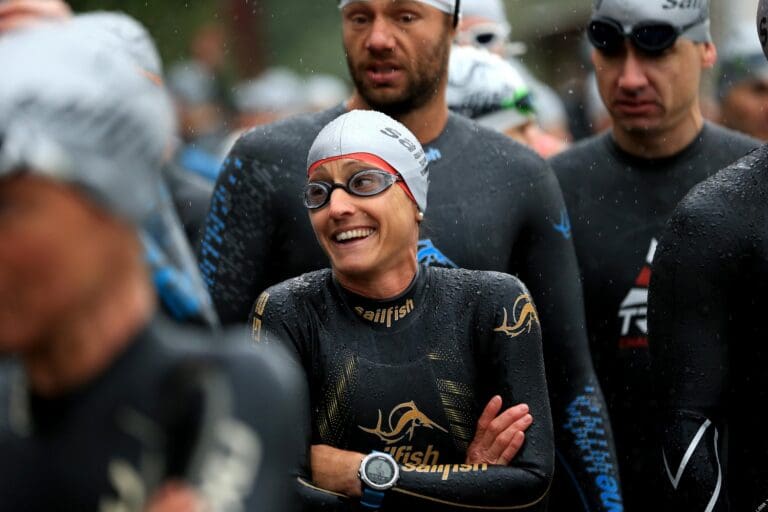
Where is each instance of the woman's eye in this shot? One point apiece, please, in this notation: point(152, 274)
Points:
point(365, 183)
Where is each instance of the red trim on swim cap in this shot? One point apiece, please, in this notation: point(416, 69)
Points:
point(369, 158)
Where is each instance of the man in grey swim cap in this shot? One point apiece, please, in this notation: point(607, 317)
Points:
point(620, 188)
point(649, 55)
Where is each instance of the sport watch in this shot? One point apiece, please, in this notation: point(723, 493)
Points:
point(378, 472)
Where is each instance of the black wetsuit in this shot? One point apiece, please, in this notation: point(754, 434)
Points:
point(166, 408)
point(618, 205)
point(411, 375)
point(191, 196)
point(707, 324)
point(493, 205)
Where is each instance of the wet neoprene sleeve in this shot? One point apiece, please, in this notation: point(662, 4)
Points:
point(689, 328)
point(707, 331)
point(410, 377)
point(585, 452)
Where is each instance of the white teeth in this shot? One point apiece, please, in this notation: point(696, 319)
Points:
point(353, 233)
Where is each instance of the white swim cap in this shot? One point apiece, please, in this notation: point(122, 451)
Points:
point(119, 32)
point(82, 114)
point(488, 89)
point(447, 6)
point(378, 139)
point(681, 13)
point(491, 10)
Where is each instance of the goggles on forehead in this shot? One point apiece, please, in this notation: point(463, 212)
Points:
point(651, 37)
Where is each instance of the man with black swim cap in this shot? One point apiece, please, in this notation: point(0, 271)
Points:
point(493, 205)
point(707, 320)
point(620, 188)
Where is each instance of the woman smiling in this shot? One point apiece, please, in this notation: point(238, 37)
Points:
point(413, 371)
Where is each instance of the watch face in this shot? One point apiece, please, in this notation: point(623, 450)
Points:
point(379, 471)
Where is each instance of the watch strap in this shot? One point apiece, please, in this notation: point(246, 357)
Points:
point(371, 498)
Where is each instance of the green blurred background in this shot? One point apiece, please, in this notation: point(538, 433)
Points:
point(300, 34)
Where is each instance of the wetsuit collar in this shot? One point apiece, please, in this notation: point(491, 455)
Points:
point(656, 163)
point(388, 314)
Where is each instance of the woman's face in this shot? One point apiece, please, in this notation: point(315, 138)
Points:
point(365, 237)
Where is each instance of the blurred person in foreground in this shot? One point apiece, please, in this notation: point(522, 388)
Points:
point(707, 328)
point(104, 407)
point(175, 272)
point(494, 205)
point(484, 25)
point(620, 188)
point(486, 88)
point(742, 85)
point(18, 14)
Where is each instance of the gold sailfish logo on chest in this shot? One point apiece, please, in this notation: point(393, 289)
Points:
point(403, 421)
point(523, 316)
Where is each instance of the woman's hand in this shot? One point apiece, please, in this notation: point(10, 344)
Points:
point(336, 470)
point(499, 436)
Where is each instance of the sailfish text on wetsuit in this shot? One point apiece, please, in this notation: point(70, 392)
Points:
point(386, 315)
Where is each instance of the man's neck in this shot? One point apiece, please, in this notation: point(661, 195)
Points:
point(426, 122)
point(660, 144)
point(88, 341)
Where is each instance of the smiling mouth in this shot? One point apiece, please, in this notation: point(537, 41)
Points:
point(353, 235)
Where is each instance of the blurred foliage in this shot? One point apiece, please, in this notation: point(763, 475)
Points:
point(306, 36)
point(171, 22)
point(300, 34)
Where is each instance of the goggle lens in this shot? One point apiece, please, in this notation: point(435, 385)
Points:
point(651, 38)
point(365, 183)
